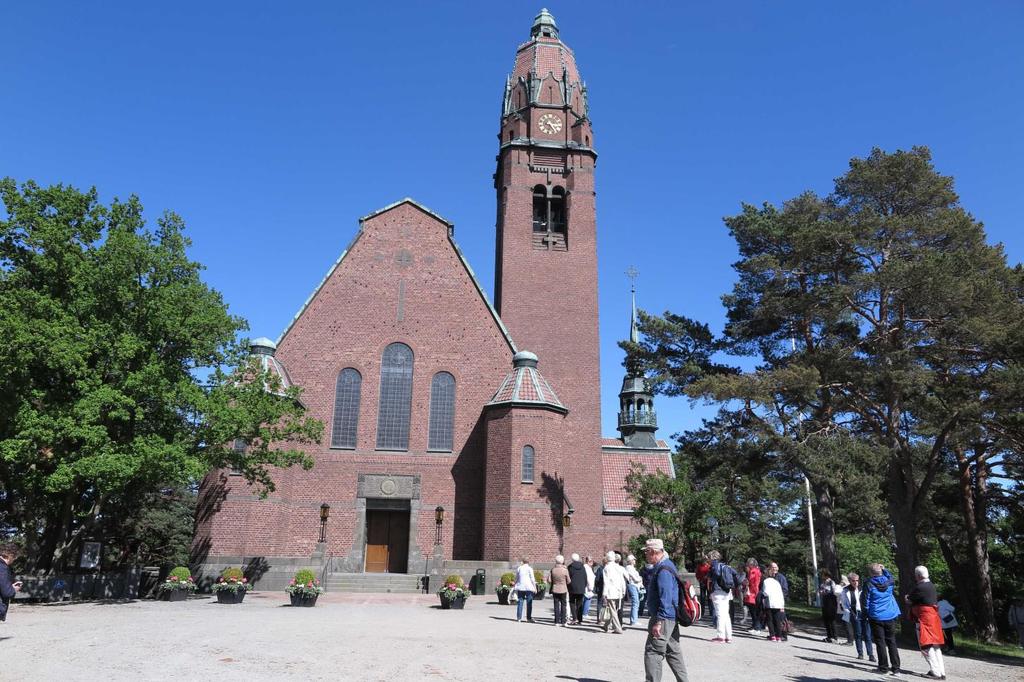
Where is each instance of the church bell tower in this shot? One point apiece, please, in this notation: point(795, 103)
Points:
point(546, 250)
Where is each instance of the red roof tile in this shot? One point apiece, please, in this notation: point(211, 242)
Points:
point(617, 464)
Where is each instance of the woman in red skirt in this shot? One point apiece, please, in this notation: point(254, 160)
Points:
point(923, 600)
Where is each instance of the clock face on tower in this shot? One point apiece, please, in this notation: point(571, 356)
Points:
point(549, 124)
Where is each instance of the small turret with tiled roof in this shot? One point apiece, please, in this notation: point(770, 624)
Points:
point(638, 421)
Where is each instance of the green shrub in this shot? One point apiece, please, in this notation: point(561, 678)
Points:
point(180, 578)
point(305, 576)
point(232, 572)
point(180, 572)
point(538, 577)
point(454, 579)
point(508, 579)
point(305, 583)
point(232, 580)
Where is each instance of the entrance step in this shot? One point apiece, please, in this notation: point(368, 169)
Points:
point(403, 583)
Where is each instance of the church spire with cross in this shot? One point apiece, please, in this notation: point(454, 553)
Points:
point(638, 421)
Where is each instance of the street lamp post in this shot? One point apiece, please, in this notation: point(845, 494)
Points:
point(814, 549)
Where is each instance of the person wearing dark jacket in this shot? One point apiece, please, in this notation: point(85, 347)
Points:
point(884, 615)
point(829, 605)
point(8, 586)
point(577, 586)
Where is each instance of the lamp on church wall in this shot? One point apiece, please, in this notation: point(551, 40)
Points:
point(325, 513)
point(566, 520)
point(438, 522)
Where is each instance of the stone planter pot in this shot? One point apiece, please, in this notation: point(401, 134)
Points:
point(540, 595)
point(300, 600)
point(503, 597)
point(174, 595)
point(454, 603)
point(230, 596)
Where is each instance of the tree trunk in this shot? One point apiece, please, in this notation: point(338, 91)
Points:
point(973, 484)
point(903, 515)
point(824, 524)
point(54, 533)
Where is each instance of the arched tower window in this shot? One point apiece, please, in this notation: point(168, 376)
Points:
point(557, 204)
point(527, 467)
point(442, 412)
point(346, 408)
point(540, 209)
point(550, 223)
point(395, 398)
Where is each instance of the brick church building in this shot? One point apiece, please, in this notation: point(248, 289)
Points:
point(434, 398)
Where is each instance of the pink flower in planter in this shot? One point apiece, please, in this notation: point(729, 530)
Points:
point(245, 580)
point(220, 580)
point(292, 582)
point(309, 584)
point(174, 578)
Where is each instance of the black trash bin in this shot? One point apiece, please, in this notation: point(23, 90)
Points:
point(480, 582)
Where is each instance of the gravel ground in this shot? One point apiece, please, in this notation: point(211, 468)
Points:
point(392, 637)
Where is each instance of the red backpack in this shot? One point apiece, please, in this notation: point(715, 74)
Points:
point(688, 607)
point(688, 611)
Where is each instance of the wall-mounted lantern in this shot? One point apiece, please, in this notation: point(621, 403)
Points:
point(325, 513)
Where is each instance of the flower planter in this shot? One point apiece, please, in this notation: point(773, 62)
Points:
point(301, 600)
point(540, 594)
point(174, 595)
point(503, 597)
point(458, 602)
point(230, 596)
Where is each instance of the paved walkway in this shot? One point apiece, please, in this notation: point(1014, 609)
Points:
point(391, 637)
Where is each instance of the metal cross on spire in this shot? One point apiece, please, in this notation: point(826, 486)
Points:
point(632, 274)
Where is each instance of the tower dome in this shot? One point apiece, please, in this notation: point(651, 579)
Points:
point(525, 386)
point(544, 25)
point(263, 349)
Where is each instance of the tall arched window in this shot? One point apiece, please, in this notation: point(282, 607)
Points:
point(540, 209)
point(527, 467)
point(442, 412)
point(550, 220)
point(395, 398)
point(346, 408)
point(557, 204)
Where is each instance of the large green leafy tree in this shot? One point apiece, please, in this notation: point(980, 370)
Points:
point(105, 327)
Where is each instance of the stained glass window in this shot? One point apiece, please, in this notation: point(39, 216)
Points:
point(442, 412)
point(346, 409)
point(527, 464)
point(395, 398)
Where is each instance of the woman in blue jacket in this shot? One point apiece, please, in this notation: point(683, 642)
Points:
point(883, 614)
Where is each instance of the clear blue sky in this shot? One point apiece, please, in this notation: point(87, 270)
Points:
point(272, 127)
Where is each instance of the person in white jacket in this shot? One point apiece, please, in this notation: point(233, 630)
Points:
point(614, 576)
point(775, 601)
point(525, 587)
point(589, 594)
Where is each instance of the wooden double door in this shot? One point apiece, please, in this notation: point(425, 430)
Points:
point(387, 541)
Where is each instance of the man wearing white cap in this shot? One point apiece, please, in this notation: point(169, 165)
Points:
point(663, 631)
point(614, 590)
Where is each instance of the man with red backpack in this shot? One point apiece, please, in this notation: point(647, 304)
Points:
point(663, 631)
